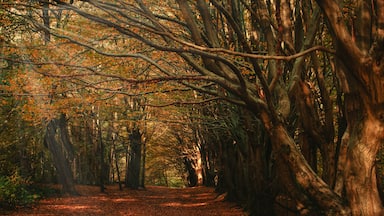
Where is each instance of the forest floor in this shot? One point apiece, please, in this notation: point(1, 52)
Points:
point(151, 201)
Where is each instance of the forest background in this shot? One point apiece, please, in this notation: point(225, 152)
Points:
point(279, 104)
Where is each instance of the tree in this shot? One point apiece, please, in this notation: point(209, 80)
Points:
point(59, 148)
point(224, 71)
point(359, 51)
point(30, 94)
point(300, 78)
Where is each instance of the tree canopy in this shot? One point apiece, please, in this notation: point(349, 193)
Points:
point(278, 103)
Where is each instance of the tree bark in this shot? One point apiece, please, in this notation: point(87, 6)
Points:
point(57, 149)
point(366, 134)
point(363, 85)
point(191, 173)
point(134, 164)
point(102, 167)
point(116, 160)
point(300, 180)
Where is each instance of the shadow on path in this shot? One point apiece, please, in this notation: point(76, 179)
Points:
point(153, 200)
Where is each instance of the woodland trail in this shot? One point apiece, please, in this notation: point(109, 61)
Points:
point(153, 200)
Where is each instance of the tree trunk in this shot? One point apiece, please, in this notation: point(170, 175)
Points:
point(58, 151)
point(142, 173)
point(46, 21)
point(302, 183)
point(365, 136)
point(134, 163)
point(102, 167)
point(116, 159)
point(191, 173)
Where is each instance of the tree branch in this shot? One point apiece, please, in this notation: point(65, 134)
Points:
point(181, 103)
point(349, 51)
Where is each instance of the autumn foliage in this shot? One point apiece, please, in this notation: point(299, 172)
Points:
point(276, 104)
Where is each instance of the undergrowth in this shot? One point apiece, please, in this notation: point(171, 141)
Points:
point(16, 191)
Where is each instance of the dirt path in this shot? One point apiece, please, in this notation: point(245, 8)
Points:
point(152, 201)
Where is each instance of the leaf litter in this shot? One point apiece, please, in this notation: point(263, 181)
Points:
point(151, 201)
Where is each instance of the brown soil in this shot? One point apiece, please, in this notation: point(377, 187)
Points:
point(153, 200)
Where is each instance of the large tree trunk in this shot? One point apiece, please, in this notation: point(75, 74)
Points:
point(360, 50)
point(134, 163)
point(364, 136)
point(56, 141)
point(302, 183)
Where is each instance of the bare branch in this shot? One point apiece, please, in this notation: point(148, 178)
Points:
point(182, 103)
